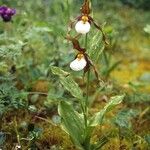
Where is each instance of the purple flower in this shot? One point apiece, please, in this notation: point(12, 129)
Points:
point(6, 13)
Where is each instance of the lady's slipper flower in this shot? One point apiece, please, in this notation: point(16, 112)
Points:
point(79, 63)
point(83, 22)
point(6, 13)
point(82, 60)
point(83, 26)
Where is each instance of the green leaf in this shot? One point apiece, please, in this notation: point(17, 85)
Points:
point(101, 142)
point(11, 51)
point(36, 31)
point(96, 47)
point(58, 71)
point(147, 28)
point(68, 82)
point(111, 68)
point(147, 138)
point(123, 118)
point(72, 123)
point(98, 117)
point(2, 109)
point(137, 98)
point(71, 86)
point(145, 77)
point(2, 138)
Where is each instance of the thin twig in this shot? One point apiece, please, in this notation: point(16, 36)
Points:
point(40, 93)
point(46, 120)
point(16, 130)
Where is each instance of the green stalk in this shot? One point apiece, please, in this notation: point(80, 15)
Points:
point(87, 83)
point(87, 91)
point(87, 139)
point(106, 59)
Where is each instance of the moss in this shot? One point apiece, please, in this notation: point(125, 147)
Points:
point(54, 135)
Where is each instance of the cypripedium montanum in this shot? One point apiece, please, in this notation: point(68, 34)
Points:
point(83, 22)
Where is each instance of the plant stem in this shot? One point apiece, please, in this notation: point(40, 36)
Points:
point(87, 94)
point(16, 130)
point(87, 86)
point(87, 138)
point(106, 59)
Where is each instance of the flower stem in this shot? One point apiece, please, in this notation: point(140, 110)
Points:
point(87, 87)
point(86, 143)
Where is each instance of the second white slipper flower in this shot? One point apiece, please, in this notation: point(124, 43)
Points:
point(79, 63)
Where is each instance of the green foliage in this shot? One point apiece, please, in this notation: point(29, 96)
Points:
point(100, 143)
point(68, 82)
point(147, 28)
point(35, 134)
point(11, 51)
point(72, 123)
point(123, 118)
point(109, 64)
point(2, 138)
point(145, 4)
point(96, 47)
point(137, 98)
point(147, 138)
point(10, 96)
point(98, 117)
point(79, 133)
point(59, 72)
point(70, 85)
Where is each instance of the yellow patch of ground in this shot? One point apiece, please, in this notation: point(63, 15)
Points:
point(126, 73)
point(41, 86)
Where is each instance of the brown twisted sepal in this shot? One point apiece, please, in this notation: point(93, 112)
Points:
point(85, 9)
point(76, 44)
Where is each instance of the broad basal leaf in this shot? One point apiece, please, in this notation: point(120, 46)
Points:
point(98, 117)
point(72, 123)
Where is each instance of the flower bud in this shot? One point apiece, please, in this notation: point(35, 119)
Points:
point(79, 63)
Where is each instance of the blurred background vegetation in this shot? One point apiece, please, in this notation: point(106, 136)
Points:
point(34, 41)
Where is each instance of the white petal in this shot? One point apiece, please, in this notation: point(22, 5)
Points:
point(82, 28)
point(77, 64)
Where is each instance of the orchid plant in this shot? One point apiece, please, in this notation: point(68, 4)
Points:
point(79, 124)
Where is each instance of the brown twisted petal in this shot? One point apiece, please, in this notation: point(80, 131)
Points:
point(90, 63)
point(85, 9)
point(99, 28)
point(76, 44)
